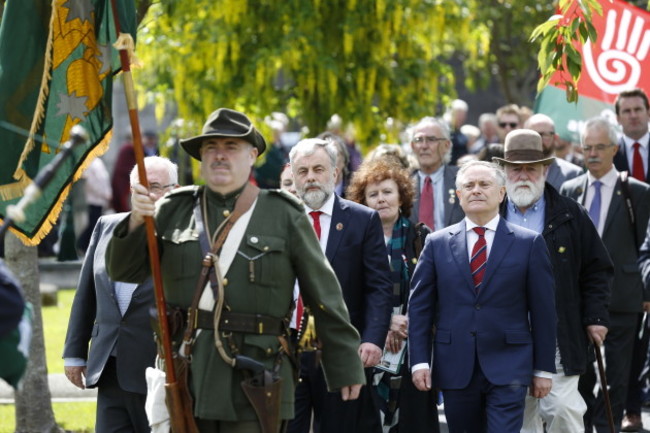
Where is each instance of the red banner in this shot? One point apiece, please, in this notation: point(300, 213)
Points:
point(615, 62)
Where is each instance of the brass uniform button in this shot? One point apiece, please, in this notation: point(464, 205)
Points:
point(226, 213)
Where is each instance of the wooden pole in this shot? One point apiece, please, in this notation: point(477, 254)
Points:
point(178, 413)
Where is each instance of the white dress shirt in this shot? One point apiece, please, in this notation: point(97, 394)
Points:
point(325, 220)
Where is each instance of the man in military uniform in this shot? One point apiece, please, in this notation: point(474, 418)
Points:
point(269, 246)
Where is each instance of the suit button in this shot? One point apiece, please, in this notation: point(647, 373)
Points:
point(472, 333)
point(477, 306)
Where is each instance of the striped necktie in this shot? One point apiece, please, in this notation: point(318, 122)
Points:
point(479, 258)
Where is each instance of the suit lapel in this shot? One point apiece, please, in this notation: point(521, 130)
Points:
point(582, 192)
point(502, 241)
point(458, 246)
point(340, 217)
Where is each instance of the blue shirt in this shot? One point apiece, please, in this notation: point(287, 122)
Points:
point(533, 219)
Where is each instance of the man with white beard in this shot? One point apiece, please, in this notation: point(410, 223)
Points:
point(352, 238)
point(583, 274)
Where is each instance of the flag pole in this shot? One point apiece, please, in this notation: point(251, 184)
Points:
point(173, 392)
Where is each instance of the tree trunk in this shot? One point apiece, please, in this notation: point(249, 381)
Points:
point(34, 412)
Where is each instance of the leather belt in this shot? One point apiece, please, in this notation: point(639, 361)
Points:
point(241, 322)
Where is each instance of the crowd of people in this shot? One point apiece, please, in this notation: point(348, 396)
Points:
point(476, 266)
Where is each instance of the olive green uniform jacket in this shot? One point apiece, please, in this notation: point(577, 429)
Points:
point(282, 245)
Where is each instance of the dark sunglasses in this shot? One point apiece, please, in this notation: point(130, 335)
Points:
point(510, 124)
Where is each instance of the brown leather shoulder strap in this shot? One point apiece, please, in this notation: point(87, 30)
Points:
point(242, 205)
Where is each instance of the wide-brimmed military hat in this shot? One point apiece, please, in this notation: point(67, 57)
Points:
point(225, 123)
point(523, 146)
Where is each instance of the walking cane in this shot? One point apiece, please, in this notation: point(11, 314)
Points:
point(603, 385)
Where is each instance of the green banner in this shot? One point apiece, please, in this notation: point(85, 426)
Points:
point(56, 70)
point(568, 116)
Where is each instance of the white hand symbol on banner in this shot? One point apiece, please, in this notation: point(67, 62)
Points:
point(618, 65)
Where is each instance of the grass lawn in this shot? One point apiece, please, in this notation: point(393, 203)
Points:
point(75, 417)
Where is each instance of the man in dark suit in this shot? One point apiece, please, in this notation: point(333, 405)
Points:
point(113, 317)
point(559, 170)
point(632, 113)
point(435, 201)
point(486, 287)
point(603, 193)
point(582, 272)
point(353, 241)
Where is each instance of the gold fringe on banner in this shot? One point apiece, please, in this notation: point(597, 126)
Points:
point(39, 112)
point(125, 42)
point(53, 215)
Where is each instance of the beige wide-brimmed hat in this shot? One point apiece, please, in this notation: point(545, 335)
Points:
point(524, 146)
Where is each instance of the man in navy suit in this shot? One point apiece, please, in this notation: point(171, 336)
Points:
point(353, 241)
point(632, 112)
point(113, 318)
point(486, 288)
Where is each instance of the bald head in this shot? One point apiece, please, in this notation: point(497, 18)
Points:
point(544, 126)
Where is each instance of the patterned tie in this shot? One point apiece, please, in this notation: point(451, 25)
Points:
point(425, 213)
point(479, 258)
point(637, 164)
point(594, 208)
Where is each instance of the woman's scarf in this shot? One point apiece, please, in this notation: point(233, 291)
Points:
point(396, 248)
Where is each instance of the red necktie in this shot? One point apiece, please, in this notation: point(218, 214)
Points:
point(425, 213)
point(315, 215)
point(637, 164)
point(479, 258)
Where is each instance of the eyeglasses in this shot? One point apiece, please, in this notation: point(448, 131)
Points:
point(157, 188)
point(597, 148)
point(547, 134)
point(510, 124)
point(428, 138)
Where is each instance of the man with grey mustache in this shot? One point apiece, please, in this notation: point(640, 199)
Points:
point(582, 270)
point(611, 199)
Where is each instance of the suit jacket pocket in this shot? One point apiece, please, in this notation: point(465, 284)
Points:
point(443, 336)
point(518, 337)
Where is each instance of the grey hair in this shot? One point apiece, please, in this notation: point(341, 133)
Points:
point(444, 128)
point(487, 118)
point(429, 121)
point(156, 161)
point(600, 123)
point(499, 175)
point(308, 146)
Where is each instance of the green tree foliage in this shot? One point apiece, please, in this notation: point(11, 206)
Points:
point(366, 60)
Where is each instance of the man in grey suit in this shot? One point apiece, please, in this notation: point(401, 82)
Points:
point(603, 193)
point(114, 318)
point(560, 170)
point(435, 201)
